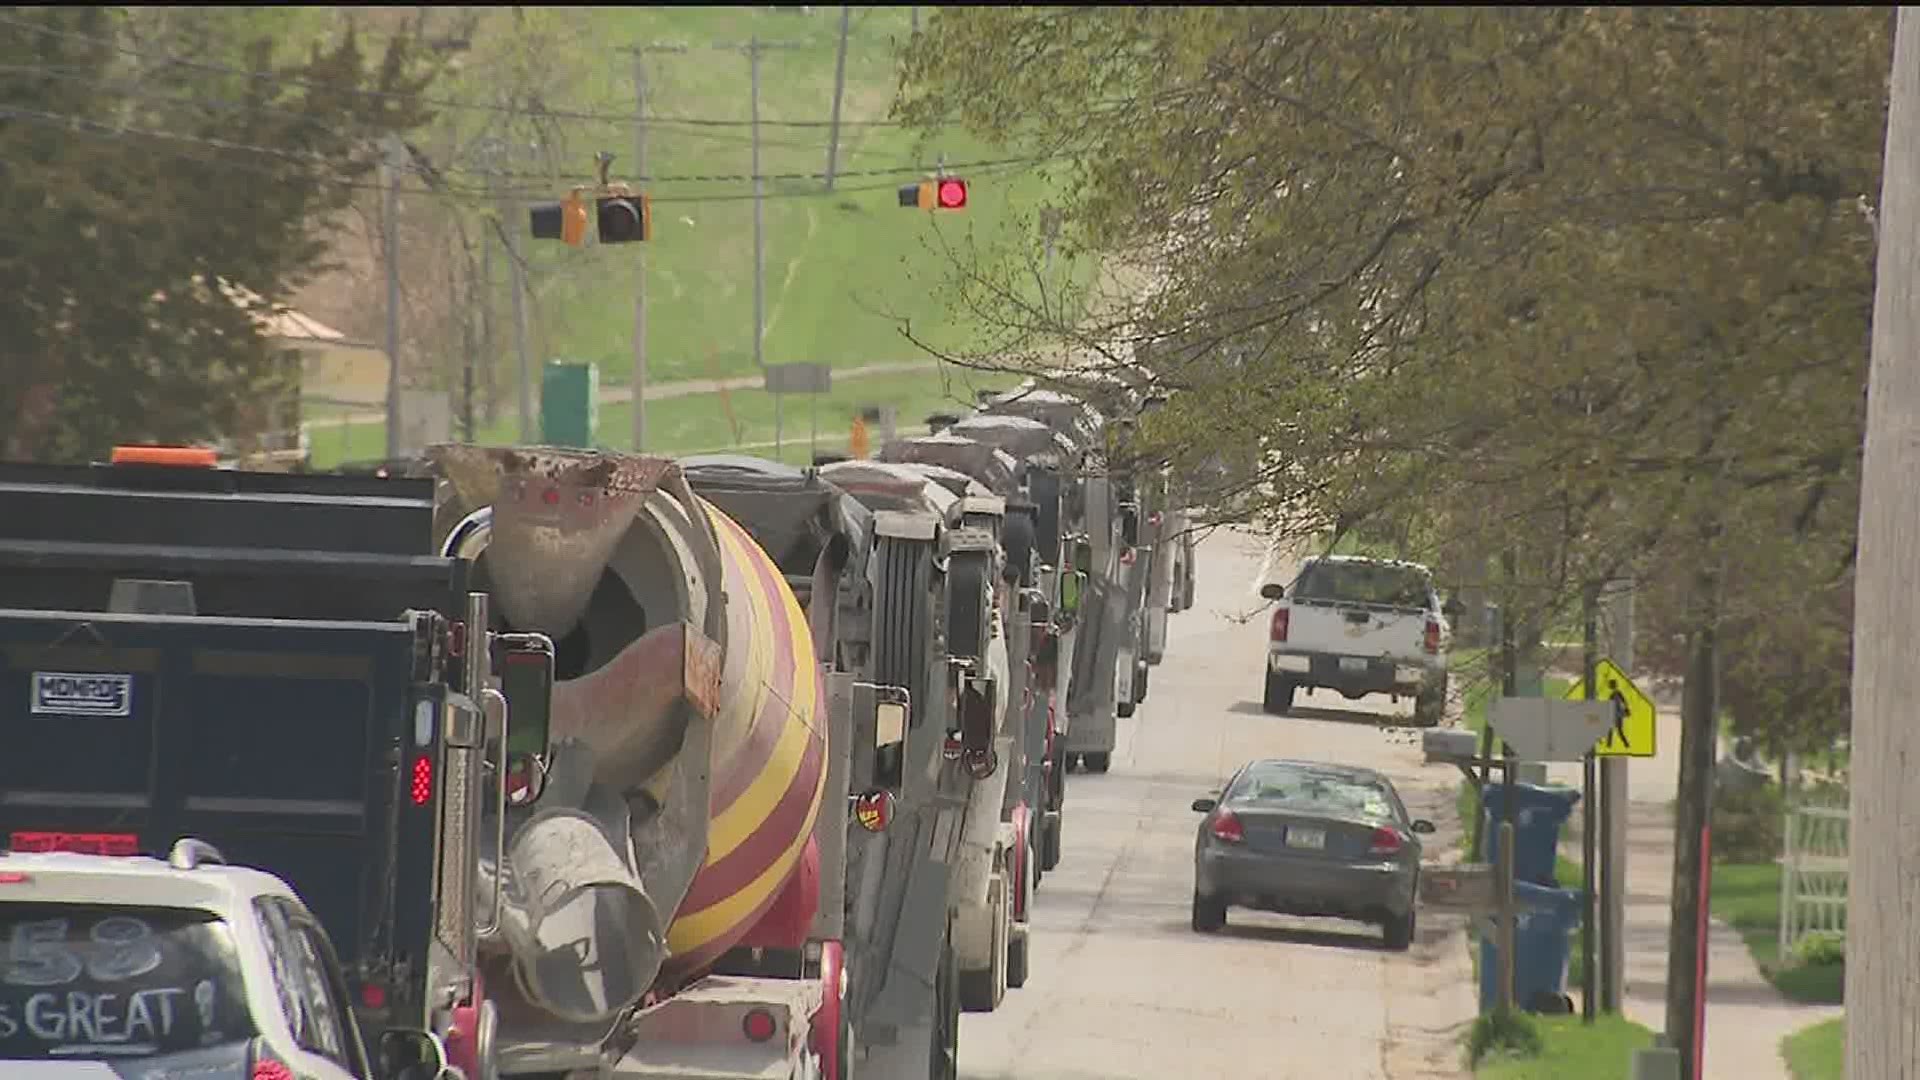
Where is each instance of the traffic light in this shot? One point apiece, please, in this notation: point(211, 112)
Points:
point(624, 219)
point(565, 221)
point(945, 193)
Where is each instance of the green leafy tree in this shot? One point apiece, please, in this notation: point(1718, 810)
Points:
point(1589, 286)
point(166, 175)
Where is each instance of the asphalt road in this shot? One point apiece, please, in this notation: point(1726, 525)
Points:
point(1122, 987)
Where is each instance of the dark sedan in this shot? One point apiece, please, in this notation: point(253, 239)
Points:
point(1308, 838)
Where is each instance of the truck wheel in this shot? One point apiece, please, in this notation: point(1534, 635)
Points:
point(982, 989)
point(1050, 841)
point(1430, 705)
point(902, 638)
point(1123, 709)
point(1097, 763)
point(1140, 681)
point(945, 1064)
point(969, 605)
point(1209, 914)
point(1017, 961)
point(1278, 698)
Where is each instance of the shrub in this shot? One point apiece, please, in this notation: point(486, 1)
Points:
point(1510, 1034)
point(1821, 948)
point(1748, 825)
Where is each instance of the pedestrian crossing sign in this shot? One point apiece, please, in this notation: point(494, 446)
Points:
point(1633, 733)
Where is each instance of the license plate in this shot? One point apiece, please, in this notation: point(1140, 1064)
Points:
point(1312, 839)
point(1353, 664)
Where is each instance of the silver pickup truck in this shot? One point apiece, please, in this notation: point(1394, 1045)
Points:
point(1360, 626)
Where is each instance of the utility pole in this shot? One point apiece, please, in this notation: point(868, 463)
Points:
point(916, 18)
point(489, 341)
point(754, 47)
point(517, 274)
point(1613, 820)
point(396, 163)
point(839, 91)
point(1883, 954)
point(1590, 813)
point(639, 380)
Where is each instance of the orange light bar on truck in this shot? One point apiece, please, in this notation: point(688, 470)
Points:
point(184, 457)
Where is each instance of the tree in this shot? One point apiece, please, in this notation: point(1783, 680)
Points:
point(166, 175)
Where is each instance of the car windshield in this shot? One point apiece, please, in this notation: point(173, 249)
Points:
point(110, 982)
point(1362, 583)
point(1304, 789)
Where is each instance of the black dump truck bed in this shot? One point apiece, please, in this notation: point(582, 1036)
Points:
point(271, 740)
point(228, 656)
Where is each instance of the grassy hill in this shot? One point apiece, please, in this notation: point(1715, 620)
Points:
point(842, 267)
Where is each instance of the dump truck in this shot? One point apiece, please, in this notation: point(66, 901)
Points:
point(269, 663)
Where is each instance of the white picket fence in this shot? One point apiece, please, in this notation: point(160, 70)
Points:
point(1813, 874)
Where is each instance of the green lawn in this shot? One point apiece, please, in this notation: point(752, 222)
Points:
point(1747, 898)
point(843, 269)
point(1818, 1052)
point(707, 422)
point(1572, 1050)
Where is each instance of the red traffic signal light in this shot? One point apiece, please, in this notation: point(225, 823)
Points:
point(946, 193)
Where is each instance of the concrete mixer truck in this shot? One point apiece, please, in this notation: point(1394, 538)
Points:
point(965, 635)
point(1049, 477)
point(1103, 679)
point(672, 872)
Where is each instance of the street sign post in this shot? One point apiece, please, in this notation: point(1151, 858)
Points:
point(783, 379)
point(1633, 731)
point(1542, 729)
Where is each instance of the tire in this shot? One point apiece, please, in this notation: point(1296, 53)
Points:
point(1140, 681)
point(1098, 762)
point(1398, 932)
point(945, 1043)
point(902, 634)
point(1430, 705)
point(969, 605)
point(1124, 709)
point(1209, 914)
point(1278, 696)
point(1017, 949)
point(983, 989)
point(1050, 844)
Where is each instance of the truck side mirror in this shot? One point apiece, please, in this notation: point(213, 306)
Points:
point(526, 680)
point(1452, 609)
point(411, 1054)
point(1273, 590)
point(1130, 524)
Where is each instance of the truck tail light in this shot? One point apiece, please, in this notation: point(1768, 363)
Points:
point(421, 786)
point(759, 1025)
point(1433, 636)
point(1226, 827)
point(1386, 841)
point(1278, 630)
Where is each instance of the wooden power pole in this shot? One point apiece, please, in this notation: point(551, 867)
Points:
point(1883, 952)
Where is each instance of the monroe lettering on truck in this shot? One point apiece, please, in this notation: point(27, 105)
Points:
point(68, 693)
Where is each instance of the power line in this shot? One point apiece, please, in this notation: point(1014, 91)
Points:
point(431, 102)
point(85, 124)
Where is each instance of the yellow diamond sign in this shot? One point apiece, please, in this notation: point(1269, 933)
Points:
point(1633, 713)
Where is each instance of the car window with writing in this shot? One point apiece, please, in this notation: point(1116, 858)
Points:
point(101, 982)
point(1311, 791)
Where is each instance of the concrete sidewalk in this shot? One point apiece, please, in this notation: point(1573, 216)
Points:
point(1746, 1016)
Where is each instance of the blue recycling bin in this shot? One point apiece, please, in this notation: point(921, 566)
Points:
point(1542, 944)
point(1538, 815)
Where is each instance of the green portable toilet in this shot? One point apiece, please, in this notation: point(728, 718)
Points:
point(569, 403)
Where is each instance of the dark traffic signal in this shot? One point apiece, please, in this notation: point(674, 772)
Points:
point(624, 219)
point(564, 221)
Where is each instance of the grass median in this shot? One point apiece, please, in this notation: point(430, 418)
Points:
point(1818, 1052)
point(1570, 1050)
